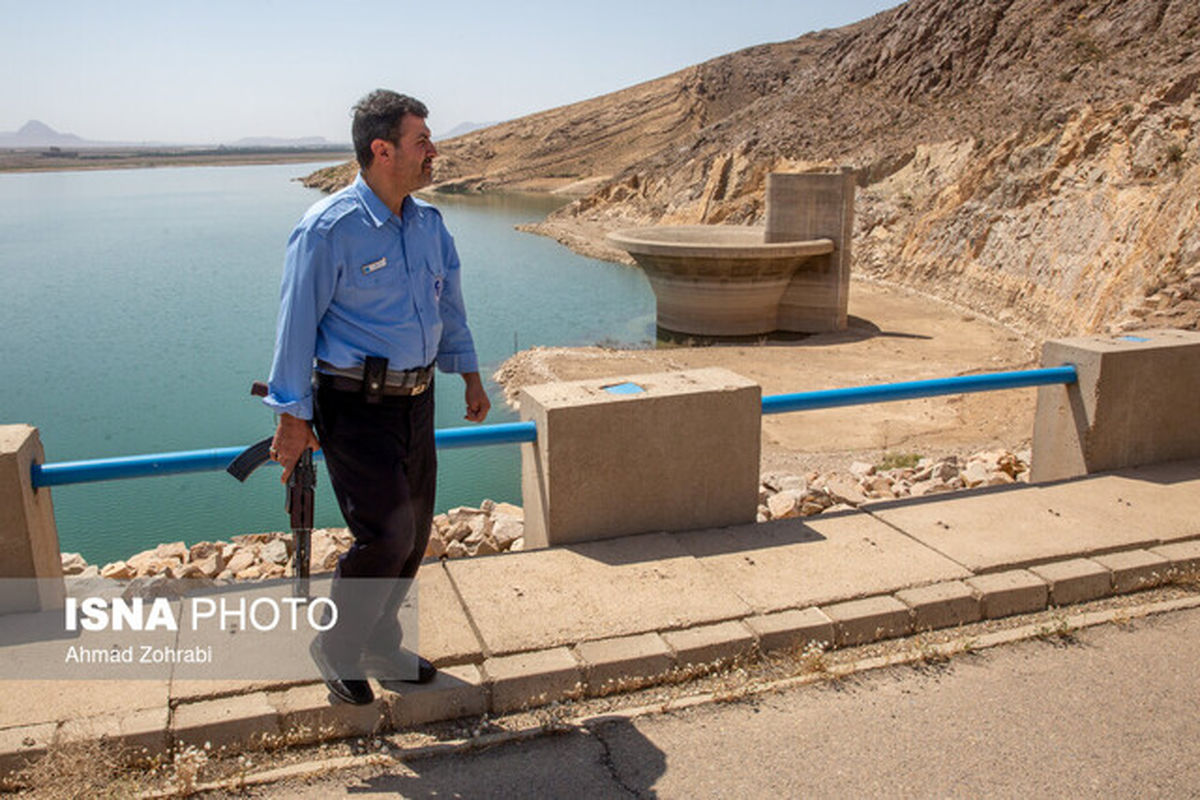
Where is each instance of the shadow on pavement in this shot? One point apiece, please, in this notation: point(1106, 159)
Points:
point(1167, 472)
point(612, 759)
point(688, 544)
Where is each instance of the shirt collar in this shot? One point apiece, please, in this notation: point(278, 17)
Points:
point(378, 210)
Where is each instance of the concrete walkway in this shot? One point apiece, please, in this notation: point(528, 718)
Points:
point(518, 630)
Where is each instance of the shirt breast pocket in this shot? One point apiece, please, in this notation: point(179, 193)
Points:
point(437, 278)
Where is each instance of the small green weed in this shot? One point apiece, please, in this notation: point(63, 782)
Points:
point(898, 461)
point(1058, 630)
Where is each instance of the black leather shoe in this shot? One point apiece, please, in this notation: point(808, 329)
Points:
point(426, 671)
point(348, 690)
point(384, 668)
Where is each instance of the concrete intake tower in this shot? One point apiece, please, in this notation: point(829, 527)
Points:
point(726, 280)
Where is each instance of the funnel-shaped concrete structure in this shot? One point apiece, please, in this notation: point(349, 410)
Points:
point(724, 280)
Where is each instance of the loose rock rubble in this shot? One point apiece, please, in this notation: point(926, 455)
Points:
point(782, 496)
point(460, 532)
point(250, 556)
point(500, 527)
point(464, 531)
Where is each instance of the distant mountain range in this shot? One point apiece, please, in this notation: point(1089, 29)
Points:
point(38, 134)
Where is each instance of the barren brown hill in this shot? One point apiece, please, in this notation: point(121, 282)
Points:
point(572, 147)
point(1034, 160)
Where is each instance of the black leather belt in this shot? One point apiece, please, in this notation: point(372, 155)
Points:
point(411, 382)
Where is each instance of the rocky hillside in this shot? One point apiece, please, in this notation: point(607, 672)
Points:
point(1034, 160)
point(573, 148)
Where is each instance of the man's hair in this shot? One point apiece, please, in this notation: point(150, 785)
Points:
point(378, 116)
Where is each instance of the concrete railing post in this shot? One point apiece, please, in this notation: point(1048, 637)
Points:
point(813, 205)
point(28, 536)
point(662, 452)
point(1137, 401)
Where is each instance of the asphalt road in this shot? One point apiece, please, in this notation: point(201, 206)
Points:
point(1113, 712)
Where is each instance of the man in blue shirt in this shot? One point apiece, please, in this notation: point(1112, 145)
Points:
point(371, 297)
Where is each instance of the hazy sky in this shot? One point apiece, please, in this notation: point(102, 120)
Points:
point(207, 71)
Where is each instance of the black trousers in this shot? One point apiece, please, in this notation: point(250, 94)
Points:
point(383, 467)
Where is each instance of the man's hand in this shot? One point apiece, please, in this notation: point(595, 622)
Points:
point(292, 436)
point(478, 404)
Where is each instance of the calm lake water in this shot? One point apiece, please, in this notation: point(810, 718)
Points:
point(139, 305)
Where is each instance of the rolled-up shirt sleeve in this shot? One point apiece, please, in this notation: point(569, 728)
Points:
point(309, 279)
point(456, 349)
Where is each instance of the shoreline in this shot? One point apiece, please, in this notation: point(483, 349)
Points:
point(30, 161)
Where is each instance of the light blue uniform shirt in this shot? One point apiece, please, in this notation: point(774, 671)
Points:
point(357, 282)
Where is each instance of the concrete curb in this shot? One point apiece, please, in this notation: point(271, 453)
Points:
point(1076, 581)
point(1004, 594)
point(227, 722)
point(624, 663)
point(1184, 556)
point(942, 605)
point(533, 679)
point(1134, 570)
point(791, 630)
point(709, 646)
point(869, 620)
point(455, 692)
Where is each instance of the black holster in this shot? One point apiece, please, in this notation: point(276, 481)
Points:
point(374, 378)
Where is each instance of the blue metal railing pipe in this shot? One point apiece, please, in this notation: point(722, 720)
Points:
point(908, 390)
point(503, 433)
point(106, 469)
point(110, 469)
point(185, 461)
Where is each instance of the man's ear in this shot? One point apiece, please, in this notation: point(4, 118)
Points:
point(380, 148)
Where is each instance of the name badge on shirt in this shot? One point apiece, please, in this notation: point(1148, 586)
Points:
point(367, 269)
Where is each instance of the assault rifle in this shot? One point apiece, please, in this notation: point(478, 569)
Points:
point(300, 492)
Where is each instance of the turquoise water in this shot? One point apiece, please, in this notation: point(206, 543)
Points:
point(139, 305)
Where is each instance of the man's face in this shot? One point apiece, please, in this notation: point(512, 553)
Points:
point(412, 154)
